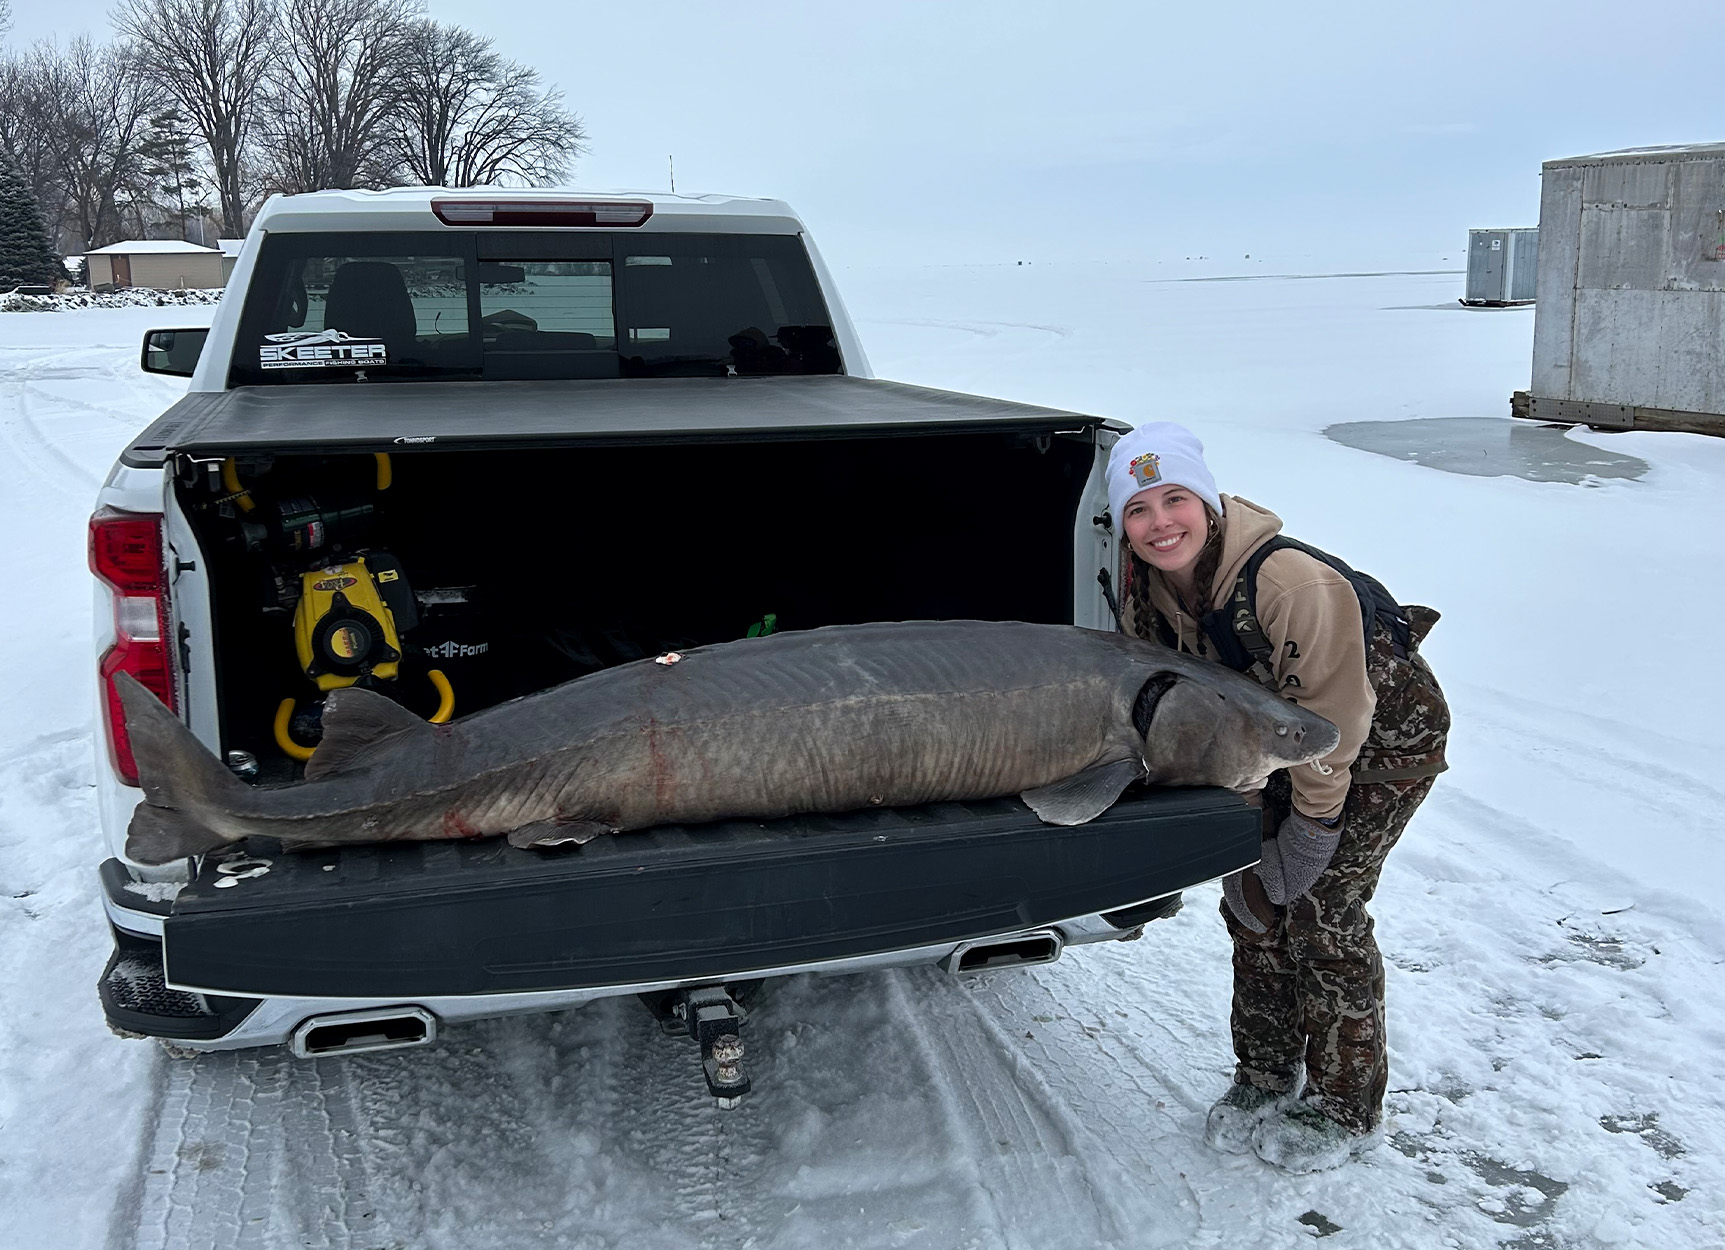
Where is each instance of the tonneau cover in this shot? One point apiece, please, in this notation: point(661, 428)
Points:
point(395, 416)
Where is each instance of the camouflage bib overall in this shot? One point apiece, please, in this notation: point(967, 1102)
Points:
point(1309, 993)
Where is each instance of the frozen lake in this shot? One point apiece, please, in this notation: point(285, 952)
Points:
point(1549, 921)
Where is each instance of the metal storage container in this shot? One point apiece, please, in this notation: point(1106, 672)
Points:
point(1630, 326)
point(1502, 267)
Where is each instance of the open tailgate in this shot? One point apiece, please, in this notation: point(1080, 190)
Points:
point(417, 920)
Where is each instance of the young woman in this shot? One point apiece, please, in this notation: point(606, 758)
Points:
point(1308, 979)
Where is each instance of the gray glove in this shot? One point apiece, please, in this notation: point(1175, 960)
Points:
point(1302, 849)
point(1234, 894)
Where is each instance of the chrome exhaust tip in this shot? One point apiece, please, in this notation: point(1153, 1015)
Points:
point(356, 1032)
point(1013, 950)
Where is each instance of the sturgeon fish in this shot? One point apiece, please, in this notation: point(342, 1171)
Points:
point(824, 720)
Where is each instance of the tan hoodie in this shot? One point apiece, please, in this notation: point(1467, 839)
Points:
point(1311, 617)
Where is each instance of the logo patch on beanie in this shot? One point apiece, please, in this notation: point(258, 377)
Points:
point(1146, 469)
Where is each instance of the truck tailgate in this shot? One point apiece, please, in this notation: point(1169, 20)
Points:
point(415, 920)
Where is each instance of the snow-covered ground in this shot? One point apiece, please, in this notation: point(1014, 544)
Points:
point(1556, 1012)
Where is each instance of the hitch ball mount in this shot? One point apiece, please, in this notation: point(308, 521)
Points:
point(714, 1018)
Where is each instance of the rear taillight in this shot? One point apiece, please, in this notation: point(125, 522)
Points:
point(126, 552)
point(541, 212)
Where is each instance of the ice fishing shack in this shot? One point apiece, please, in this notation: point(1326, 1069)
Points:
point(1502, 268)
point(1629, 323)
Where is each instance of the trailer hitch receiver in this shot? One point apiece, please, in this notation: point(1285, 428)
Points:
point(710, 1015)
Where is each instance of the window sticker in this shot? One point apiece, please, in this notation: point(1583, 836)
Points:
point(320, 349)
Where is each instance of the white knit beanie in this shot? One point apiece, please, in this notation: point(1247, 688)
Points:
point(1160, 453)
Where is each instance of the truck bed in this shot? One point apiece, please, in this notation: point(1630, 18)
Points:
point(419, 920)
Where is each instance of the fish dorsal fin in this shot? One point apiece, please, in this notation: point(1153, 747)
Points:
point(1086, 794)
point(355, 722)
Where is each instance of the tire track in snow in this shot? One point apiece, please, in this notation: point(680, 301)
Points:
point(1041, 1160)
point(464, 1135)
point(30, 445)
point(34, 351)
point(592, 1123)
point(1625, 762)
point(250, 1149)
point(584, 1127)
point(981, 329)
point(954, 359)
point(131, 397)
point(671, 1127)
point(30, 440)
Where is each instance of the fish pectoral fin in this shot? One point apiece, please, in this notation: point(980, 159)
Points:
point(544, 833)
point(1085, 795)
point(355, 721)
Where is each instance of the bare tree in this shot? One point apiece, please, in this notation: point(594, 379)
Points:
point(24, 134)
point(96, 104)
point(470, 117)
point(334, 83)
point(210, 56)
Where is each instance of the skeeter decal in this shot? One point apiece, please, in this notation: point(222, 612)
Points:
point(319, 349)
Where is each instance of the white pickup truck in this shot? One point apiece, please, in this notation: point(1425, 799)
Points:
point(462, 446)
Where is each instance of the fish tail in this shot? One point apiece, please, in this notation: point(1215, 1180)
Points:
point(161, 835)
point(183, 783)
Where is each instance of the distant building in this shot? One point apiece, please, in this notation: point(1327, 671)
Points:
point(1629, 330)
point(160, 264)
point(1502, 267)
point(230, 256)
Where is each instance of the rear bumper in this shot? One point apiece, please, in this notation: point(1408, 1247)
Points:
point(469, 930)
point(215, 1022)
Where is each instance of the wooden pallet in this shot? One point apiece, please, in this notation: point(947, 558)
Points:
point(1612, 416)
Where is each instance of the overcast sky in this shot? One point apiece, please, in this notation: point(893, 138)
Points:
point(986, 132)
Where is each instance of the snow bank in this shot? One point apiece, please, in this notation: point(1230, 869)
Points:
point(130, 297)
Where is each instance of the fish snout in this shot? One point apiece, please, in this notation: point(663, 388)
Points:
point(1305, 735)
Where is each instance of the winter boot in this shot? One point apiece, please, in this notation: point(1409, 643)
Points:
point(1304, 1139)
point(1229, 1125)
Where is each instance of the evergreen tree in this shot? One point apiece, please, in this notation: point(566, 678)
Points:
point(26, 254)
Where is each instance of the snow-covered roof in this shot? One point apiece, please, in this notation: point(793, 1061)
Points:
point(230, 247)
point(409, 208)
point(144, 247)
point(1673, 152)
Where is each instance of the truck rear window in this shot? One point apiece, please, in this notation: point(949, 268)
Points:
point(463, 305)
